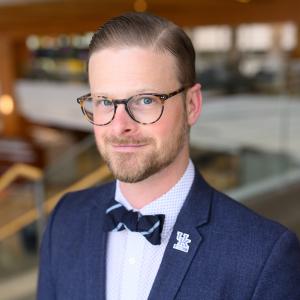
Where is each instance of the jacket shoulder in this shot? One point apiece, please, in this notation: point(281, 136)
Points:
point(74, 207)
point(233, 216)
point(87, 198)
point(249, 237)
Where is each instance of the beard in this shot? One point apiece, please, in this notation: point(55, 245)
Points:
point(132, 167)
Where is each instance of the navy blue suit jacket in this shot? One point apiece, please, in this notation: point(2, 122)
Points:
point(233, 254)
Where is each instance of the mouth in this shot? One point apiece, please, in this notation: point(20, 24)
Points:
point(127, 147)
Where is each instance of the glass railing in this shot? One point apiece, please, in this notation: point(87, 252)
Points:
point(72, 165)
point(77, 168)
point(248, 146)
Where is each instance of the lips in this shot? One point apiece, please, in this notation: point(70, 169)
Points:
point(127, 147)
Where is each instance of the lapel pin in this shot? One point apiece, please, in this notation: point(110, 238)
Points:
point(182, 242)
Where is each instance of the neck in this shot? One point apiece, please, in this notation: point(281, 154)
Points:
point(144, 192)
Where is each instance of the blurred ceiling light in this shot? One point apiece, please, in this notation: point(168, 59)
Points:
point(212, 38)
point(289, 36)
point(6, 104)
point(33, 42)
point(254, 37)
point(243, 1)
point(140, 5)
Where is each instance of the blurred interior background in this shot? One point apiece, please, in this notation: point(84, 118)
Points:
point(246, 143)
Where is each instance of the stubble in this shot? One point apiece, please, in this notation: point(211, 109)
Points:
point(132, 167)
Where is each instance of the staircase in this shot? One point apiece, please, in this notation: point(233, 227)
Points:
point(27, 196)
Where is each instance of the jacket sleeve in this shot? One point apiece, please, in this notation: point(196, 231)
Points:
point(280, 276)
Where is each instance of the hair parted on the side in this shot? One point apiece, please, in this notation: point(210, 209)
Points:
point(149, 31)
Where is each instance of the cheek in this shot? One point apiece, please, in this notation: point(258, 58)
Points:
point(173, 117)
point(167, 127)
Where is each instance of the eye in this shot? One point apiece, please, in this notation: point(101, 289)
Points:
point(146, 100)
point(106, 102)
point(103, 103)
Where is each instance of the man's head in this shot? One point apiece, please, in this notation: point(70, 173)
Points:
point(152, 32)
point(142, 54)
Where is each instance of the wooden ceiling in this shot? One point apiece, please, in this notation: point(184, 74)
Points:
point(76, 16)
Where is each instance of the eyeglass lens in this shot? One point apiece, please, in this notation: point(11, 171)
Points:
point(143, 108)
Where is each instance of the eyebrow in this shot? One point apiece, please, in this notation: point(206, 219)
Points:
point(136, 92)
point(149, 90)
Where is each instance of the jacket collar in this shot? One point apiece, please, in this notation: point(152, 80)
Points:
point(196, 209)
point(175, 263)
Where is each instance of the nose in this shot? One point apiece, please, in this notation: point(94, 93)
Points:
point(122, 122)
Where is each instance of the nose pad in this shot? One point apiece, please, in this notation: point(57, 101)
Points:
point(121, 109)
point(122, 121)
point(125, 103)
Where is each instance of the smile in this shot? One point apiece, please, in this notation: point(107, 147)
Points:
point(127, 147)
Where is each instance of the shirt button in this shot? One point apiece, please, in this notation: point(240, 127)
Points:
point(131, 260)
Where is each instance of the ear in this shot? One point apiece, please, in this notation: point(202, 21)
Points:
point(193, 103)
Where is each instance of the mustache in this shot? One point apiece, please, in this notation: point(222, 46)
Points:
point(127, 140)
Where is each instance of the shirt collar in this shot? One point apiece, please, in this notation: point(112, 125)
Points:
point(169, 203)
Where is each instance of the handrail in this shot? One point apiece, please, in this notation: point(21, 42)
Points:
point(70, 154)
point(32, 215)
point(20, 170)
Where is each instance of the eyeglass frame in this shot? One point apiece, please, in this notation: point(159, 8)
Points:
point(116, 102)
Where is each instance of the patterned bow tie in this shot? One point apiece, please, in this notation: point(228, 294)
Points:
point(119, 218)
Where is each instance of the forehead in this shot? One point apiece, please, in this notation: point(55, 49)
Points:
point(127, 70)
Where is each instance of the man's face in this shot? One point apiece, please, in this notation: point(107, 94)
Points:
point(134, 151)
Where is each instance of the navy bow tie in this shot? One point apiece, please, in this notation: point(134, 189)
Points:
point(119, 218)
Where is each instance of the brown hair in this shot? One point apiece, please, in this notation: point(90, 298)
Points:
point(146, 30)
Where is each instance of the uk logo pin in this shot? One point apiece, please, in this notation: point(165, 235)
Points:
point(182, 242)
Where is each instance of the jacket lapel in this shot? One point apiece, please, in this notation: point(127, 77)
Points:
point(96, 246)
point(187, 238)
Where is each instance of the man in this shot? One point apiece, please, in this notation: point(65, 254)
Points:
point(160, 231)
